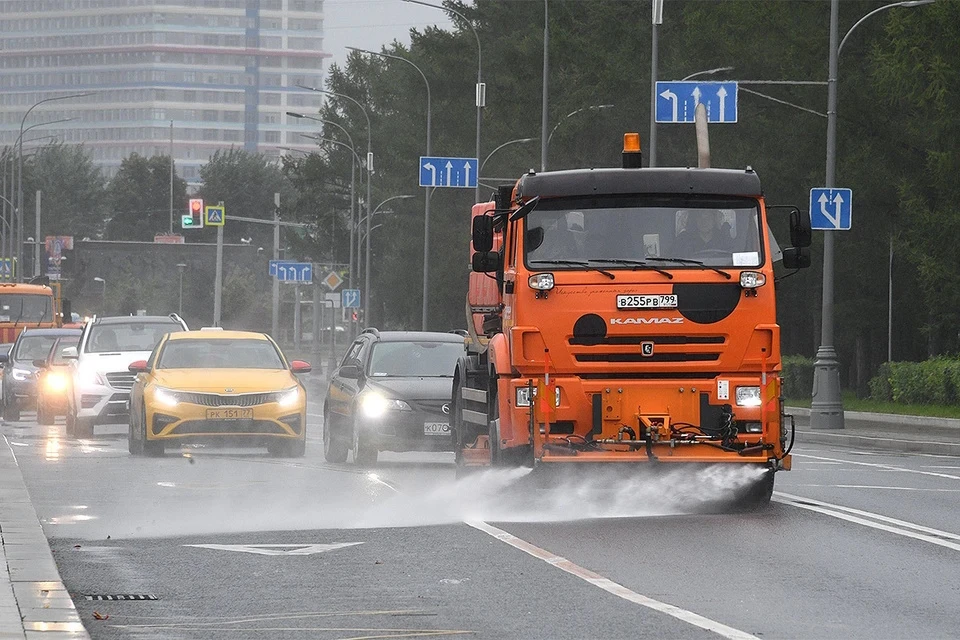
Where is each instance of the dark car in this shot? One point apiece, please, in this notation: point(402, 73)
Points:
point(20, 371)
point(53, 381)
point(391, 393)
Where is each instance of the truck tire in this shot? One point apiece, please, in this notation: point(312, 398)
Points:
point(334, 448)
point(757, 495)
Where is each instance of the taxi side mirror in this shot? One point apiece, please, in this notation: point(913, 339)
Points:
point(299, 366)
point(138, 366)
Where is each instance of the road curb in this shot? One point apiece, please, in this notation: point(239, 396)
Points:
point(32, 596)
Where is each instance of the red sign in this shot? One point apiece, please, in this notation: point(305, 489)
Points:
point(166, 238)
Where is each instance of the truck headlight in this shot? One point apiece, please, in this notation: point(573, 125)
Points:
point(289, 397)
point(374, 404)
point(523, 396)
point(541, 281)
point(752, 279)
point(165, 397)
point(748, 396)
point(21, 374)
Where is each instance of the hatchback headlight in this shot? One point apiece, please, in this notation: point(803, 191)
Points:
point(288, 397)
point(374, 404)
point(748, 396)
point(21, 374)
point(165, 397)
point(56, 382)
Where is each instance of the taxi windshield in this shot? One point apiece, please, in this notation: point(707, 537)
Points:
point(242, 353)
point(622, 231)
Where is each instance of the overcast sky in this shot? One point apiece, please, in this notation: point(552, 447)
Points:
point(370, 24)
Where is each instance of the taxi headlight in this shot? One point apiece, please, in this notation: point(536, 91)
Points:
point(165, 397)
point(288, 397)
point(56, 382)
point(375, 404)
point(21, 374)
point(748, 396)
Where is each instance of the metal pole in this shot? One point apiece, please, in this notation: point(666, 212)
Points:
point(275, 317)
point(171, 177)
point(657, 20)
point(890, 303)
point(218, 283)
point(546, 79)
point(316, 323)
point(180, 306)
point(826, 408)
point(36, 238)
point(296, 316)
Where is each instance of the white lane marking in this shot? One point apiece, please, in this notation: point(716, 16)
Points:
point(874, 486)
point(315, 415)
point(609, 585)
point(888, 467)
point(902, 528)
point(305, 549)
point(938, 466)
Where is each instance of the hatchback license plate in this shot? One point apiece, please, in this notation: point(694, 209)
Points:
point(436, 428)
point(659, 301)
point(229, 414)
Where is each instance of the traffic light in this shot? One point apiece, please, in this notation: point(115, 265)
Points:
point(194, 217)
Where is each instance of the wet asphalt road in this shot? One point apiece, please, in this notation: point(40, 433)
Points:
point(237, 544)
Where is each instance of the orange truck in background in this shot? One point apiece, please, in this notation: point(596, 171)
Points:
point(34, 304)
point(626, 315)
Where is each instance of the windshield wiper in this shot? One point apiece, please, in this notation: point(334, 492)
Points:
point(698, 263)
point(575, 263)
point(636, 264)
point(20, 317)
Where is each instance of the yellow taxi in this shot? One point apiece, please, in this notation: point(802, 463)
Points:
point(233, 387)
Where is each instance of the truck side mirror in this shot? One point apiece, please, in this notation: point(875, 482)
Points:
point(796, 257)
point(483, 233)
point(486, 261)
point(801, 235)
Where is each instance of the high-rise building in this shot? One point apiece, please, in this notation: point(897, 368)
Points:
point(206, 74)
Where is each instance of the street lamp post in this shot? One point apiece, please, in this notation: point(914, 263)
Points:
point(366, 283)
point(826, 407)
point(180, 268)
point(20, 165)
point(104, 283)
point(707, 72)
point(595, 107)
point(481, 92)
point(546, 83)
point(426, 191)
point(657, 20)
point(509, 142)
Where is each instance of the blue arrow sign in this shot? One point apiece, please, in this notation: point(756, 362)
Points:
point(677, 101)
point(301, 272)
point(350, 298)
point(831, 209)
point(275, 263)
point(448, 172)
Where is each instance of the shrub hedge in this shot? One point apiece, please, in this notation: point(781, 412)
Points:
point(935, 381)
point(797, 377)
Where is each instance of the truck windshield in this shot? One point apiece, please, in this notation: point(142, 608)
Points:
point(28, 308)
point(673, 232)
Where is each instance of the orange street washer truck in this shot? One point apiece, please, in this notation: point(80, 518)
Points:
point(626, 315)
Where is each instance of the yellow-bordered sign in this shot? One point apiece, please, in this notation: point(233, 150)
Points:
point(214, 216)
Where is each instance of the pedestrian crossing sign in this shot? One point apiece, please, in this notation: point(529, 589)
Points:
point(214, 216)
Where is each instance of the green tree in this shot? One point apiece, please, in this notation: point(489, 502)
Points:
point(139, 199)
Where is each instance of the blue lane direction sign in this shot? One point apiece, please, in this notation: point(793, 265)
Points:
point(214, 216)
point(831, 209)
point(350, 298)
point(276, 263)
point(448, 172)
point(677, 101)
point(301, 272)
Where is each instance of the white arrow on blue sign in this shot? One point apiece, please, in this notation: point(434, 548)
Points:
point(677, 101)
point(286, 271)
point(831, 209)
point(350, 298)
point(448, 172)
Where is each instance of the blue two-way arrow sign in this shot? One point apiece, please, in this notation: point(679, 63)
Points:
point(831, 209)
point(677, 101)
point(448, 172)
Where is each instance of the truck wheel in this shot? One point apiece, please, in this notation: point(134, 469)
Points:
point(757, 495)
point(334, 449)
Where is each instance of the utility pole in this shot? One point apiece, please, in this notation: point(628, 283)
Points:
point(218, 283)
point(171, 177)
point(275, 324)
point(36, 237)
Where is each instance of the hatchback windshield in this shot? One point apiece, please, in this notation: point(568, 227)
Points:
point(667, 232)
point(34, 347)
point(26, 309)
point(243, 353)
point(58, 348)
point(415, 359)
point(135, 336)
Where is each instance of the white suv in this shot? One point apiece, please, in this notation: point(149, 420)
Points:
point(101, 380)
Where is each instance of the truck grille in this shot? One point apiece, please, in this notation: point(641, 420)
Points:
point(121, 380)
point(217, 400)
point(667, 348)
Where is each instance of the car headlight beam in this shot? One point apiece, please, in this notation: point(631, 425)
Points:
point(289, 397)
point(375, 404)
point(165, 397)
point(56, 382)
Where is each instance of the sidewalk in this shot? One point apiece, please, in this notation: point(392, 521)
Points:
point(33, 601)
point(884, 431)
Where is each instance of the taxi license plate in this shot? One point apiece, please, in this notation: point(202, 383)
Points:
point(436, 428)
point(229, 414)
point(659, 301)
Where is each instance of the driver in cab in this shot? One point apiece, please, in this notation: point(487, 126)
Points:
point(703, 232)
point(559, 236)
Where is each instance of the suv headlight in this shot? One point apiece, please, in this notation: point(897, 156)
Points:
point(21, 374)
point(748, 396)
point(374, 404)
point(90, 378)
point(165, 397)
point(288, 397)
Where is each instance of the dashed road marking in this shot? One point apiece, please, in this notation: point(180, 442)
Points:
point(887, 467)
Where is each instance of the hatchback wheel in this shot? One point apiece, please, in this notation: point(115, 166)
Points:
point(334, 448)
point(364, 449)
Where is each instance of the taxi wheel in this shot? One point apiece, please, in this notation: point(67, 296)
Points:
point(152, 448)
point(334, 449)
point(364, 451)
point(134, 441)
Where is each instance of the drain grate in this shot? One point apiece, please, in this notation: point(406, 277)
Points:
point(121, 596)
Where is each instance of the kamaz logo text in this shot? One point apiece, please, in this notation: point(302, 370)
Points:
point(646, 320)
